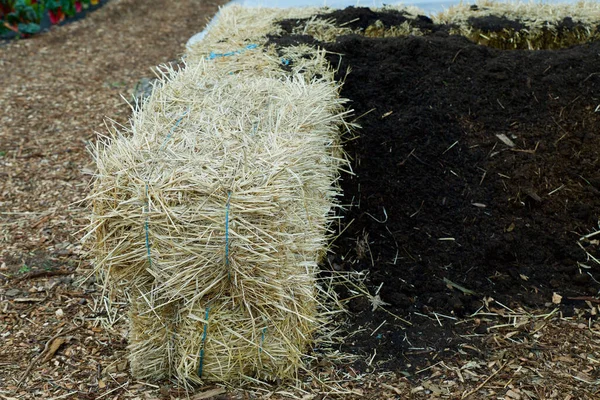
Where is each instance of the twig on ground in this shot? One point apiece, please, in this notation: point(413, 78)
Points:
point(46, 347)
point(39, 274)
point(484, 382)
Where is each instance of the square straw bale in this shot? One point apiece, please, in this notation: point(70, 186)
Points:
point(225, 185)
point(224, 342)
point(152, 325)
point(535, 25)
point(220, 196)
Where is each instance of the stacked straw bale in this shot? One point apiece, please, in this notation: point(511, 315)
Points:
point(543, 26)
point(152, 331)
point(214, 209)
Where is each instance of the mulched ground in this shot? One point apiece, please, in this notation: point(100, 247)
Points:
point(427, 161)
point(477, 172)
point(57, 89)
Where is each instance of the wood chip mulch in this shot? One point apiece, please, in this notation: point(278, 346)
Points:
point(57, 90)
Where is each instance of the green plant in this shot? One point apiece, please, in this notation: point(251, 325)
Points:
point(24, 16)
point(24, 269)
point(21, 16)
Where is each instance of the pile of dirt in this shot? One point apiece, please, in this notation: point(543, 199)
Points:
point(477, 172)
point(360, 18)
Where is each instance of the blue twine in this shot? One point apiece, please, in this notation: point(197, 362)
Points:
point(227, 235)
point(172, 338)
point(285, 61)
point(162, 147)
point(262, 339)
point(201, 363)
point(214, 55)
point(147, 229)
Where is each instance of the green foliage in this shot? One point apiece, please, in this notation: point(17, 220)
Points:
point(24, 16)
point(29, 28)
point(24, 269)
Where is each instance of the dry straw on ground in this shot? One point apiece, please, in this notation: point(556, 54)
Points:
point(525, 25)
point(213, 210)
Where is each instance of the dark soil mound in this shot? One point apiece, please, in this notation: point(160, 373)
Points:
point(494, 23)
point(477, 172)
point(361, 18)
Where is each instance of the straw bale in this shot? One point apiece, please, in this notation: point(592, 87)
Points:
point(220, 195)
point(237, 26)
point(545, 26)
point(152, 324)
point(257, 157)
point(327, 30)
point(324, 30)
point(225, 342)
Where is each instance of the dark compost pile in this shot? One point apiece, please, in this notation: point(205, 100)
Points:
point(477, 173)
